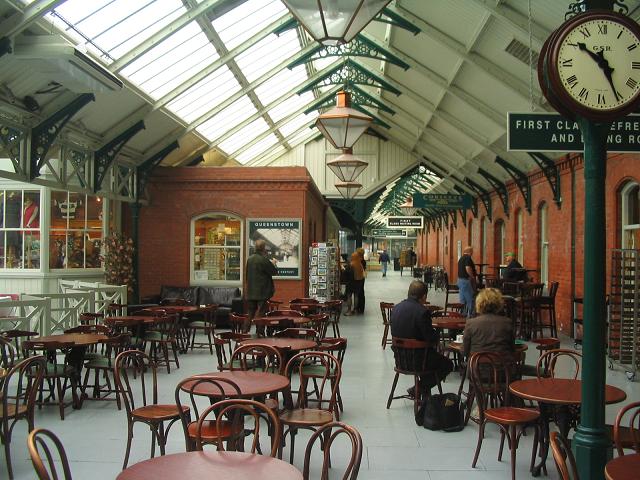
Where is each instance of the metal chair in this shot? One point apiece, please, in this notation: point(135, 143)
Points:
point(36, 442)
point(329, 433)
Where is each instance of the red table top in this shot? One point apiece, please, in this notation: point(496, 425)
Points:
point(623, 468)
point(175, 308)
point(292, 344)
point(454, 323)
point(79, 339)
point(251, 384)
point(559, 391)
point(209, 464)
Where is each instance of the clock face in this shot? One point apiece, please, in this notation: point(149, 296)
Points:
point(597, 63)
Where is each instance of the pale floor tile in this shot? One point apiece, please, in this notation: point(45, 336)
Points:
point(394, 447)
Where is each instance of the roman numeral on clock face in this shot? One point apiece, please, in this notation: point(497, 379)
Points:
point(635, 65)
point(602, 29)
point(631, 83)
point(601, 100)
point(585, 32)
point(572, 81)
point(633, 46)
point(584, 94)
point(568, 62)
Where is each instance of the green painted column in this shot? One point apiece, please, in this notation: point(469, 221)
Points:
point(135, 227)
point(591, 440)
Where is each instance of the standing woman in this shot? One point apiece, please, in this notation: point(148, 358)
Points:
point(357, 283)
point(363, 261)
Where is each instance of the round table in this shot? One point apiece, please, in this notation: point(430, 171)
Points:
point(78, 339)
point(129, 320)
point(250, 383)
point(289, 344)
point(623, 468)
point(451, 323)
point(561, 393)
point(219, 465)
point(175, 308)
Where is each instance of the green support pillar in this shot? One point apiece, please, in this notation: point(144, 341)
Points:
point(135, 217)
point(591, 441)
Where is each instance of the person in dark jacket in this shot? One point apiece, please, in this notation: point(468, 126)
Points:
point(384, 261)
point(514, 271)
point(490, 331)
point(410, 319)
point(260, 288)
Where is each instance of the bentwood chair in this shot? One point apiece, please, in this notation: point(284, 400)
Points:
point(206, 325)
point(385, 311)
point(8, 355)
point(18, 336)
point(491, 376)
point(563, 456)
point(236, 412)
point(102, 366)
point(548, 362)
point(37, 442)
point(209, 431)
point(18, 397)
point(327, 434)
point(333, 309)
point(627, 436)
point(547, 305)
point(164, 336)
point(135, 375)
point(323, 369)
point(264, 358)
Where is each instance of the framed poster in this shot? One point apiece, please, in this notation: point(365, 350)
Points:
point(282, 236)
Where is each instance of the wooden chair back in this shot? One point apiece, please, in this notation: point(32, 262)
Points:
point(553, 291)
point(319, 322)
point(90, 318)
point(327, 434)
point(39, 441)
point(168, 327)
point(490, 377)
point(273, 305)
point(628, 437)
point(325, 373)
point(264, 358)
point(304, 333)
point(237, 321)
point(8, 353)
point(87, 328)
point(17, 336)
point(547, 363)
point(385, 311)
point(532, 291)
point(241, 412)
point(335, 346)
point(563, 456)
point(308, 301)
point(269, 327)
point(187, 387)
point(115, 310)
point(410, 355)
point(136, 379)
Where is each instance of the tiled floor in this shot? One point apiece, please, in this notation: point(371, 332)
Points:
point(395, 448)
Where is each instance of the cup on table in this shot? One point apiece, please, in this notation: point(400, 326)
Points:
point(459, 338)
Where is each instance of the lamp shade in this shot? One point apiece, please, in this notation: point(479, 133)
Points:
point(348, 189)
point(347, 167)
point(343, 125)
point(332, 22)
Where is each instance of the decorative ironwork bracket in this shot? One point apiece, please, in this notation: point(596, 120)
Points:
point(45, 133)
point(521, 179)
point(500, 187)
point(144, 170)
point(463, 216)
point(358, 47)
point(483, 194)
point(358, 97)
point(474, 200)
point(105, 156)
point(454, 217)
point(392, 18)
point(350, 73)
point(551, 172)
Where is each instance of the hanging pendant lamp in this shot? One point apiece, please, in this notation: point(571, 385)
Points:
point(347, 167)
point(332, 22)
point(343, 125)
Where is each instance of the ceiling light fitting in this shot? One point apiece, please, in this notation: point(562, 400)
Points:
point(347, 167)
point(348, 189)
point(343, 125)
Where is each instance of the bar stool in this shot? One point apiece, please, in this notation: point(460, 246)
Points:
point(548, 304)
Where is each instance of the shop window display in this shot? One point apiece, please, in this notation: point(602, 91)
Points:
point(76, 231)
point(216, 248)
point(20, 229)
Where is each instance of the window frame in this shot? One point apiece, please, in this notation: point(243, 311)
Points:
point(21, 230)
point(625, 199)
point(192, 247)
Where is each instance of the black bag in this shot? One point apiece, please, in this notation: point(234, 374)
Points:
point(441, 412)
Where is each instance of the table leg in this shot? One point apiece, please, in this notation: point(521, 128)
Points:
point(545, 417)
point(75, 358)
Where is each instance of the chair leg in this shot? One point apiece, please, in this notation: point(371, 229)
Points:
point(161, 438)
point(393, 389)
point(479, 446)
point(513, 443)
point(129, 438)
point(175, 354)
point(292, 435)
point(536, 438)
point(7, 453)
point(384, 337)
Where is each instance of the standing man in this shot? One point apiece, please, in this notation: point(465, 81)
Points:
point(410, 319)
point(384, 261)
point(413, 258)
point(467, 281)
point(260, 288)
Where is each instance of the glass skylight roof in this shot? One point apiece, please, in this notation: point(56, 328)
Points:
point(189, 72)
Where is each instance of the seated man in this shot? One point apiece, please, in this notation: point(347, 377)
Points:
point(410, 319)
point(514, 271)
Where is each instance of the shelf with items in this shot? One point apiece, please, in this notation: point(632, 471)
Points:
point(324, 271)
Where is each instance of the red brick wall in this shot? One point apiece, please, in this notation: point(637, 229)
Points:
point(179, 194)
point(620, 168)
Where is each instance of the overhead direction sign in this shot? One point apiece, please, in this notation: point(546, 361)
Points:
point(551, 132)
point(405, 222)
point(388, 232)
point(453, 201)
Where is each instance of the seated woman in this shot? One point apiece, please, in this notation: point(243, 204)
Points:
point(490, 331)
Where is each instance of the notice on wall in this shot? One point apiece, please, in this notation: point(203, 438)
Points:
point(388, 232)
point(551, 132)
point(282, 237)
point(442, 200)
point(405, 222)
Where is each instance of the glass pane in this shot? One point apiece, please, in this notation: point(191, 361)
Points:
point(31, 211)
point(257, 149)
point(13, 206)
point(75, 250)
point(10, 148)
point(59, 209)
point(75, 210)
point(32, 249)
point(267, 54)
point(227, 118)
point(94, 213)
point(244, 136)
point(280, 84)
point(2, 248)
point(57, 249)
point(93, 245)
point(232, 263)
point(633, 206)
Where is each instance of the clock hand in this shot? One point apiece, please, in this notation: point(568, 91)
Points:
point(607, 70)
point(584, 48)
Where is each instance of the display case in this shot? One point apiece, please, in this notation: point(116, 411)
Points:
point(324, 271)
